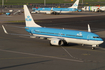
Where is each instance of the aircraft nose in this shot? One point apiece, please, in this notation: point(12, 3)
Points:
point(101, 42)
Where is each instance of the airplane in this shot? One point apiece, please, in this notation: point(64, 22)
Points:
point(94, 8)
point(58, 37)
point(55, 11)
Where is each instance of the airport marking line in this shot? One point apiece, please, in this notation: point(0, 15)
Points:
point(41, 55)
point(21, 58)
point(85, 54)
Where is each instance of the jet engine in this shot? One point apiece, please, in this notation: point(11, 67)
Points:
point(57, 42)
point(49, 12)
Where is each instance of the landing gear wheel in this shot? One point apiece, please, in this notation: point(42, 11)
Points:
point(61, 43)
point(93, 48)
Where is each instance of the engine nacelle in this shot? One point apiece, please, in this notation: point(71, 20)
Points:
point(58, 42)
point(48, 12)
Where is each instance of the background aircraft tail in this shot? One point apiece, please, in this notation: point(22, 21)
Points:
point(28, 18)
point(75, 5)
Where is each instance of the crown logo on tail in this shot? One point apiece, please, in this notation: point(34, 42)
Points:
point(28, 18)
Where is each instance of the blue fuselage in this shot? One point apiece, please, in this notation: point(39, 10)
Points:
point(63, 33)
point(55, 9)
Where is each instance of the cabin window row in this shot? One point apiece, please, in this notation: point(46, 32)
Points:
point(47, 32)
point(58, 34)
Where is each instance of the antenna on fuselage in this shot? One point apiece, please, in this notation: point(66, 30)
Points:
point(89, 30)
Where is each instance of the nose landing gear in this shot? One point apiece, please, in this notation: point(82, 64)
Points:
point(93, 47)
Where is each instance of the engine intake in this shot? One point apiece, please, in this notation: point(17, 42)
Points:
point(57, 42)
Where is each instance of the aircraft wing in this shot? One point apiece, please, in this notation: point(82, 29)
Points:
point(31, 35)
point(55, 12)
point(48, 38)
point(53, 40)
point(52, 11)
point(5, 31)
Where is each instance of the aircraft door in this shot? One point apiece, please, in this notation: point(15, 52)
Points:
point(60, 34)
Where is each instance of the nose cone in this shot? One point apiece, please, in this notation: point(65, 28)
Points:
point(101, 41)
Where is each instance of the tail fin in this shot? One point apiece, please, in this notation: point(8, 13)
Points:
point(28, 18)
point(75, 5)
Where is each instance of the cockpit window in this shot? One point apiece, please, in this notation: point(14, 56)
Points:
point(95, 37)
point(33, 9)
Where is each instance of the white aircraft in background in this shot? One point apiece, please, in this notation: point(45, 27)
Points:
point(94, 8)
point(59, 37)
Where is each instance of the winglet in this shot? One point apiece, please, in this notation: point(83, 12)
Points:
point(89, 30)
point(52, 9)
point(4, 29)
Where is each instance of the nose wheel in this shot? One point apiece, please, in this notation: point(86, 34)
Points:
point(93, 47)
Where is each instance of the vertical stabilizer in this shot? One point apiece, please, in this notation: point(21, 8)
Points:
point(75, 5)
point(28, 18)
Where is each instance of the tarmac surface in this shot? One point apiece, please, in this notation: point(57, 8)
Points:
point(25, 53)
